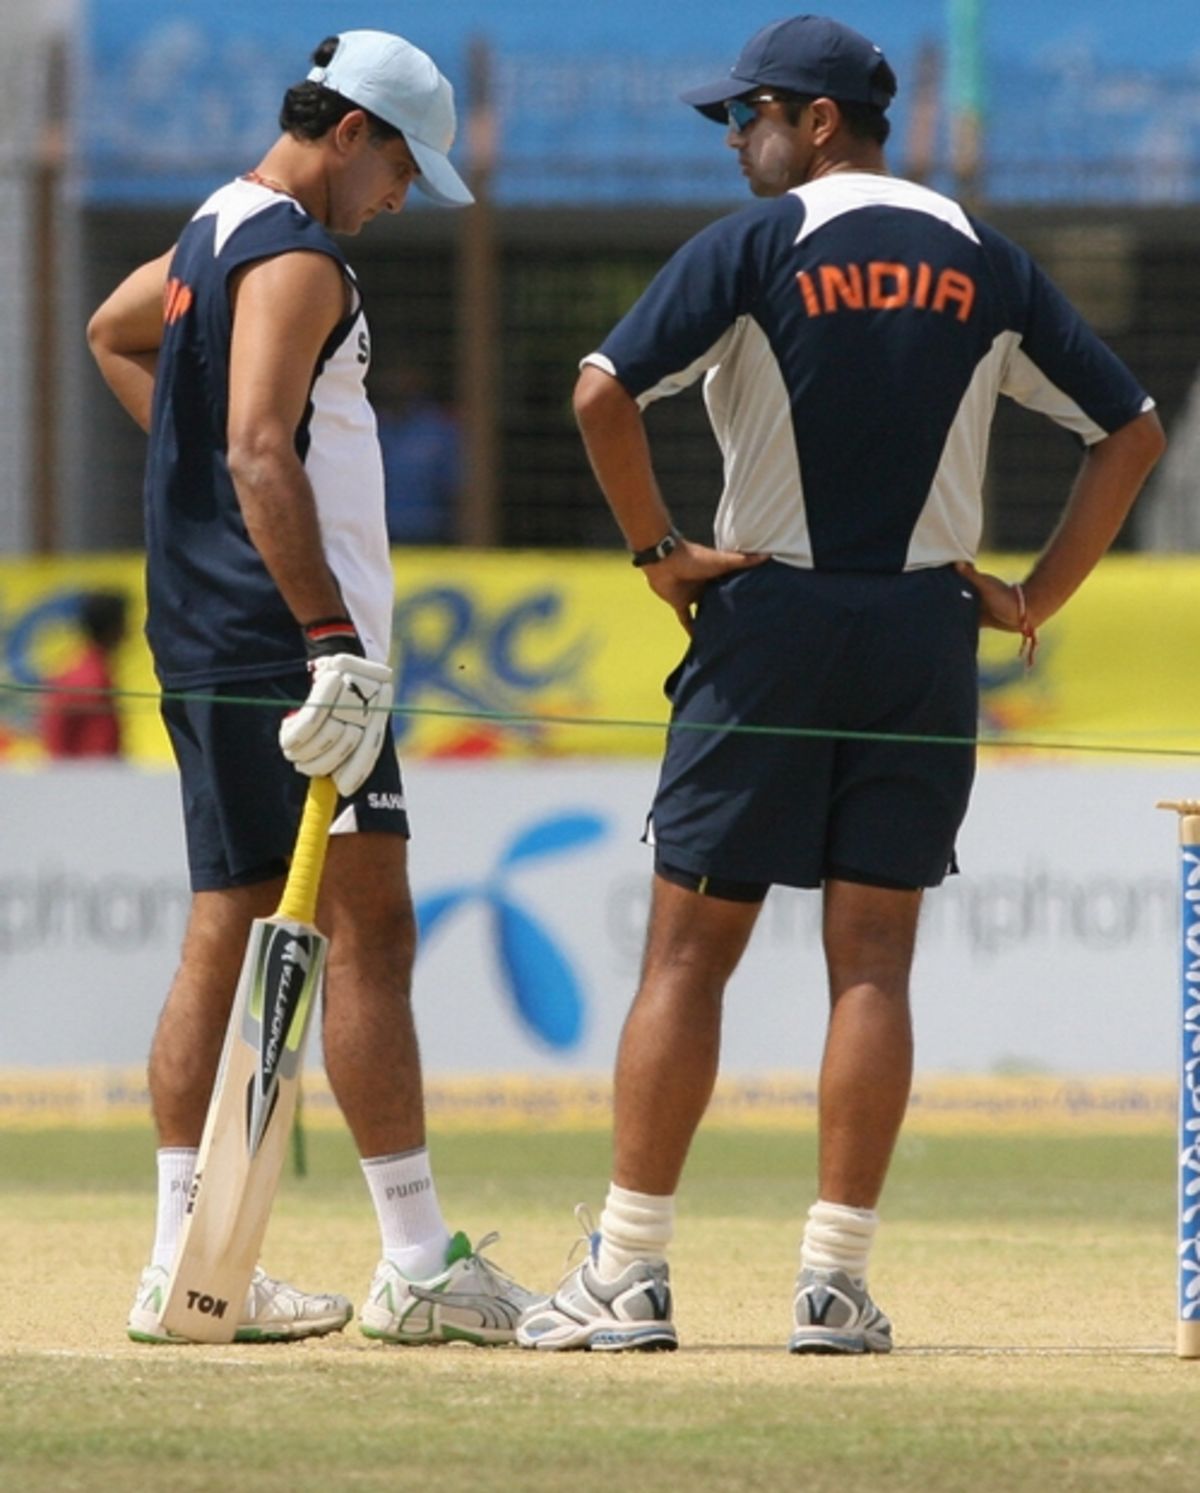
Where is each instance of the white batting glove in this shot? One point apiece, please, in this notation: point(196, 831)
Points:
point(339, 730)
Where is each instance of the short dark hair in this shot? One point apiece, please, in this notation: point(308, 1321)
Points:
point(864, 121)
point(310, 110)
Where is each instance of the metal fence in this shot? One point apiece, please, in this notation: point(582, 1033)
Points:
point(588, 183)
point(556, 280)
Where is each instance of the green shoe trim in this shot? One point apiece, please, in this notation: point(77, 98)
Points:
point(459, 1248)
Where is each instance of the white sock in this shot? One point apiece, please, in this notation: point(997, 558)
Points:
point(176, 1167)
point(839, 1238)
point(633, 1226)
point(411, 1226)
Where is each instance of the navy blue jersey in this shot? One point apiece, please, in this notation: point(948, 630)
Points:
point(214, 613)
point(855, 336)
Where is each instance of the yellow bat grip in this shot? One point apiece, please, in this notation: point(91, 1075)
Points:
point(299, 901)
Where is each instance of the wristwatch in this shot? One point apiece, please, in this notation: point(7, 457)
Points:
point(667, 545)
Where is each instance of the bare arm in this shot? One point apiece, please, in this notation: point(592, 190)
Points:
point(283, 310)
point(125, 334)
point(615, 437)
point(1109, 479)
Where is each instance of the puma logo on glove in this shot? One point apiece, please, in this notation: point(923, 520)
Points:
point(339, 730)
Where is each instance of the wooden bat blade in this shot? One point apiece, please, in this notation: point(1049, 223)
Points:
point(246, 1131)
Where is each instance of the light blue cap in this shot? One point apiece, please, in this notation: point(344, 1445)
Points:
point(399, 84)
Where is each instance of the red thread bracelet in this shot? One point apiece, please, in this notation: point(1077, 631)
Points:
point(1029, 637)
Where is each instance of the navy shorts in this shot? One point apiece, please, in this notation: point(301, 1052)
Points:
point(242, 798)
point(778, 647)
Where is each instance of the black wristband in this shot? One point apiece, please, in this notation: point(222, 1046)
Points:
point(667, 545)
point(329, 635)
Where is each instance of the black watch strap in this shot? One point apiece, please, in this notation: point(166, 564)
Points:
point(665, 546)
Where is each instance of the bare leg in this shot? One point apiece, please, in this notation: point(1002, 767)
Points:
point(866, 1074)
point(371, 1053)
point(670, 1047)
point(191, 1030)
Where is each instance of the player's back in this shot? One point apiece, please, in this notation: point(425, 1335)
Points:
point(886, 320)
point(855, 335)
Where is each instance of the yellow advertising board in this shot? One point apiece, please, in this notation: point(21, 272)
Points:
point(941, 1103)
point(547, 653)
point(1114, 671)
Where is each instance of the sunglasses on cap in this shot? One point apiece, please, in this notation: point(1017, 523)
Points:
point(742, 112)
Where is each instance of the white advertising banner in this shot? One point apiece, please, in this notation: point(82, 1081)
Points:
point(1056, 949)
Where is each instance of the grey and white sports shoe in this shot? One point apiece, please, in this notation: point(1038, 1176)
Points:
point(470, 1301)
point(629, 1314)
point(833, 1315)
point(274, 1311)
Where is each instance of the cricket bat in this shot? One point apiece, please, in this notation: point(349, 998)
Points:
point(254, 1097)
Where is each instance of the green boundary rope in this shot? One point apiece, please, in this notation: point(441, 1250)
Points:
point(1081, 744)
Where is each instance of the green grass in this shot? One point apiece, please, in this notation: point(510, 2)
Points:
point(1031, 1280)
point(1021, 1176)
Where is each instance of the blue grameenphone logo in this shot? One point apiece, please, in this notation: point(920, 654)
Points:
point(536, 973)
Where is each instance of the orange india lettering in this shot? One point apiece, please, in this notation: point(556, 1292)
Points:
point(841, 285)
point(887, 285)
point(884, 285)
point(954, 286)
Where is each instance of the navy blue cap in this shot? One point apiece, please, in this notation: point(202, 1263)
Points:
point(807, 54)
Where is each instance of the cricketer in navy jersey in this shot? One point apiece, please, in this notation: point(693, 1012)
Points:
point(242, 352)
point(854, 337)
point(854, 333)
point(214, 611)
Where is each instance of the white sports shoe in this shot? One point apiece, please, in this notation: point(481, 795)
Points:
point(470, 1301)
point(274, 1312)
point(833, 1315)
point(629, 1314)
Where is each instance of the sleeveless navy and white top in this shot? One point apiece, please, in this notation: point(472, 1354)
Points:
point(214, 613)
